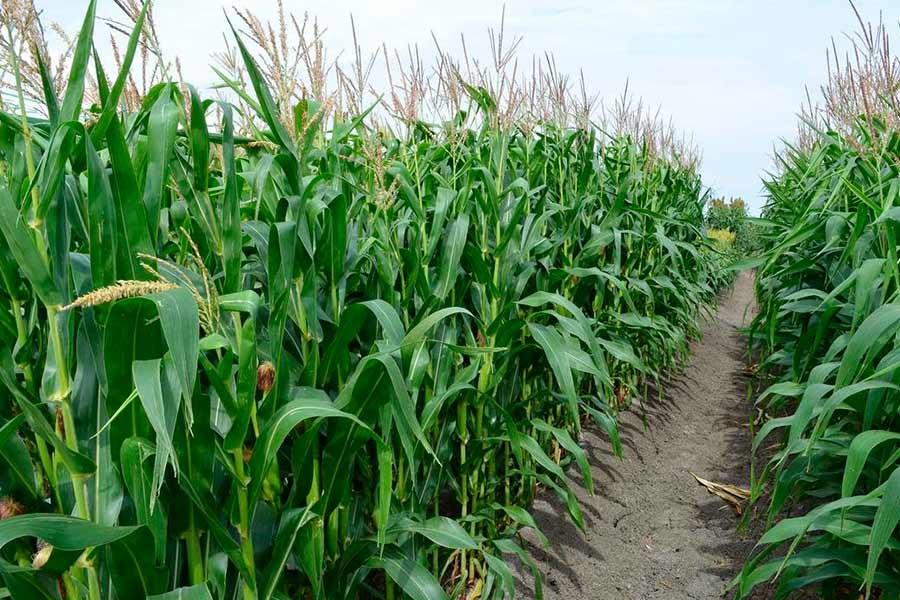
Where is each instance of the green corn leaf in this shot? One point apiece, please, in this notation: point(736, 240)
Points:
point(246, 384)
point(267, 108)
point(443, 531)
point(14, 455)
point(865, 279)
point(138, 477)
point(101, 220)
point(207, 509)
point(194, 592)
point(858, 454)
point(132, 569)
point(231, 209)
point(62, 532)
point(77, 463)
point(23, 249)
point(51, 101)
point(305, 404)
point(414, 579)
point(111, 102)
point(156, 386)
point(71, 106)
point(571, 446)
point(871, 336)
point(501, 570)
point(385, 456)
point(132, 229)
point(530, 445)
point(453, 248)
point(415, 335)
point(162, 126)
point(26, 586)
point(522, 517)
point(200, 140)
point(886, 519)
point(554, 346)
point(180, 320)
point(8, 429)
point(292, 521)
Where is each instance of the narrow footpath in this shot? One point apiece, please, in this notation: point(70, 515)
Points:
point(651, 531)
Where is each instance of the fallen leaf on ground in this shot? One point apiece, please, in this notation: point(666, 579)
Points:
point(735, 496)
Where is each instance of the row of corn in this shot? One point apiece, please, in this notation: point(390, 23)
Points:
point(321, 361)
point(827, 441)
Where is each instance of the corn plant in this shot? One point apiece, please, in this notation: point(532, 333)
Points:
point(826, 332)
point(324, 361)
point(827, 325)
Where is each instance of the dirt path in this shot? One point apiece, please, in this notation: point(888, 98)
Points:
point(652, 532)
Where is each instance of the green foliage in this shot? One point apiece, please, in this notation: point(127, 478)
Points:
point(827, 329)
point(368, 351)
point(731, 215)
point(726, 214)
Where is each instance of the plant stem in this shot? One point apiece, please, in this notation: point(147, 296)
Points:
point(194, 553)
point(244, 526)
point(21, 341)
point(59, 354)
point(23, 115)
point(464, 476)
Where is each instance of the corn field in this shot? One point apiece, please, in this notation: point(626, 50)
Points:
point(826, 333)
point(264, 348)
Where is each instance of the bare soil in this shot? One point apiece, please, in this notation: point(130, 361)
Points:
point(651, 531)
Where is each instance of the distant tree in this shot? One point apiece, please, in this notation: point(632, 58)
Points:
point(726, 214)
point(731, 215)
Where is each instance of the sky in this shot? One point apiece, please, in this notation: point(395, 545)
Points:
point(731, 74)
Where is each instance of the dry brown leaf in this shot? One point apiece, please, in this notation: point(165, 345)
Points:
point(735, 496)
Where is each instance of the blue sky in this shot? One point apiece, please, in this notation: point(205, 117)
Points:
point(730, 73)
